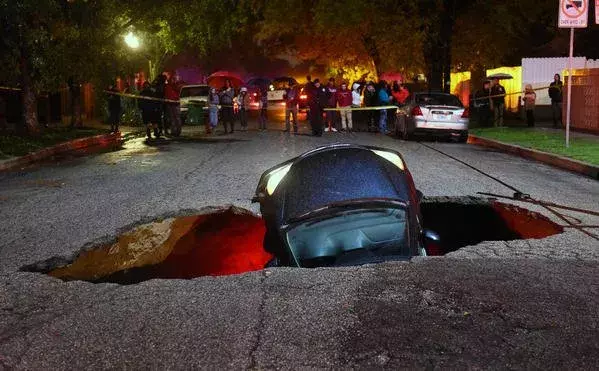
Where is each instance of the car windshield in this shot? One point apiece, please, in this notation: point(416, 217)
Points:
point(195, 91)
point(432, 99)
point(351, 237)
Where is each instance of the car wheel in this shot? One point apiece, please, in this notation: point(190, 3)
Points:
point(463, 138)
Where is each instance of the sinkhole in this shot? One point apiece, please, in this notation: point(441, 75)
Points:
point(226, 241)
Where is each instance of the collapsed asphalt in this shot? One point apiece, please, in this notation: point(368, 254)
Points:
point(515, 304)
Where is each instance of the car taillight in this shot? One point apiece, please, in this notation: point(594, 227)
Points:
point(466, 113)
point(416, 111)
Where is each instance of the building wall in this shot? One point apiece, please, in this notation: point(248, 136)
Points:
point(539, 73)
point(585, 100)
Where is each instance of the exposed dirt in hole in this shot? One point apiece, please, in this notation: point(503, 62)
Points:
point(226, 242)
point(229, 241)
point(465, 221)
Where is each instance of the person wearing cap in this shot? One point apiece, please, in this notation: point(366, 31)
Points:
point(243, 102)
point(291, 99)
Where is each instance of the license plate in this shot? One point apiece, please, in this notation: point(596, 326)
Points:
point(441, 117)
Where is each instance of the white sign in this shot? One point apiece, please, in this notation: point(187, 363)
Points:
point(573, 13)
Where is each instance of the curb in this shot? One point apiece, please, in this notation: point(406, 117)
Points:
point(103, 140)
point(544, 157)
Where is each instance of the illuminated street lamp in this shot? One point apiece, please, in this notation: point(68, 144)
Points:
point(132, 41)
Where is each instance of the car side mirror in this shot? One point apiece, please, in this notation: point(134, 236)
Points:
point(432, 243)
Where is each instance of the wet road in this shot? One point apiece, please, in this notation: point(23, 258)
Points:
point(495, 305)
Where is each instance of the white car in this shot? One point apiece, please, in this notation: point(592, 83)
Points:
point(191, 94)
point(438, 114)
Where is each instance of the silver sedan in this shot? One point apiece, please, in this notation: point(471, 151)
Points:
point(433, 113)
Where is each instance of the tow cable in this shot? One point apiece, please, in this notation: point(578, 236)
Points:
point(518, 195)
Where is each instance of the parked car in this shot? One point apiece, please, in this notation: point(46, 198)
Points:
point(193, 94)
point(366, 209)
point(277, 88)
point(433, 113)
point(254, 85)
point(303, 98)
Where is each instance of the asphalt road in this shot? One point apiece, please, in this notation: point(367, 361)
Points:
point(509, 305)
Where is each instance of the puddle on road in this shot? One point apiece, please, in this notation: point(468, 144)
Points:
point(229, 241)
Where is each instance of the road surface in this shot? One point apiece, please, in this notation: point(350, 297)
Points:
point(517, 304)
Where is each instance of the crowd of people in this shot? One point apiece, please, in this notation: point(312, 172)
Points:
point(490, 102)
point(330, 107)
point(160, 111)
point(330, 104)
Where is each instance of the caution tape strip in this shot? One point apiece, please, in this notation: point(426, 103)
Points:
point(269, 107)
point(505, 95)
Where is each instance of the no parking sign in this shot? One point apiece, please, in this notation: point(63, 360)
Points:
point(573, 13)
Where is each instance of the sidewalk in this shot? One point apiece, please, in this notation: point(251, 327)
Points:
point(544, 144)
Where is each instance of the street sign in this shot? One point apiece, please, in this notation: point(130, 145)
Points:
point(573, 13)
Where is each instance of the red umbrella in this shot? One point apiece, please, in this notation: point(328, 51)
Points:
point(391, 76)
point(217, 79)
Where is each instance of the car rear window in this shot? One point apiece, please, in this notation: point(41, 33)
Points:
point(337, 176)
point(432, 99)
point(195, 91)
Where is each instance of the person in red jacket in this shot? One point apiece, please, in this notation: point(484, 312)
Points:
point(399, 93)
point(171, 92)
point(343, 99)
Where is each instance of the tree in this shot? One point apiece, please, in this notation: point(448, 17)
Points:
point(344, 34)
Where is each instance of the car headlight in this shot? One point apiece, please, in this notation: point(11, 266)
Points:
point(391, 157)
point(275, 177)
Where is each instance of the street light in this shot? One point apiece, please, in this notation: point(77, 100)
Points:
point(132, 41)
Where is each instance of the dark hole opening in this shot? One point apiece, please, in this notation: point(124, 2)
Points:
point(229, 241)
point(465, 221)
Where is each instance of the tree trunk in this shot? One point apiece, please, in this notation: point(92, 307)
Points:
point(29, 101)
point(437, 48)
point(373, 53)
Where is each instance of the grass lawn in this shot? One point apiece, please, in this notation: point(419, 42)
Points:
point(583, 149)
point(14, 145)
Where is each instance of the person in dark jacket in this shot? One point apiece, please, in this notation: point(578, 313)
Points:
point(226, 101)
point(371, 100)
point(497, 102)
point(556, 95)
point(482, 103)
point(263, 96)
point(318, 101)
point(148, 109)
point(114, 108)
point(291, 100)
point(160, 107)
